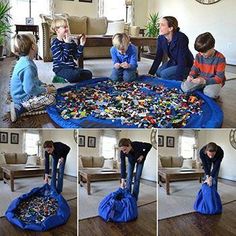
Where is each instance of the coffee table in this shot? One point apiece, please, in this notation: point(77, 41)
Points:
point(95, 174)
point(10, 172)
point(168, 174)
point(106, 41)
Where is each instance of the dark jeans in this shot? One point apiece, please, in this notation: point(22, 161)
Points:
point(74, 75)
point(58, 187)
point(139, 169)
point(169, 72)
point(128, 75)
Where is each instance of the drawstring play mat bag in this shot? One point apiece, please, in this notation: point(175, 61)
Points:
point(41, 209)
point(118, 206)
point(208, 200)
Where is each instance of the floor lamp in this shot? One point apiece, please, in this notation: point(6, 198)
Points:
point(127, 4)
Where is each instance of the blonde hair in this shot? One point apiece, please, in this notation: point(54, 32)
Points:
point(23, 43)
point(120, 40)
point(57, 23)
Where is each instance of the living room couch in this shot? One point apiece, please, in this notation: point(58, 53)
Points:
point(87, 26)
point(18, 158)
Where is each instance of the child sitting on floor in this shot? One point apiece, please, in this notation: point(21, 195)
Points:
point(124, 58)
point(208, 70)
point(65, 51)
point(27, 91)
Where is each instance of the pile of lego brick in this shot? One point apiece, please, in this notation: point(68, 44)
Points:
point(138, 104)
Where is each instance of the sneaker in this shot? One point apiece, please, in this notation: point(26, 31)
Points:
point(16, 111)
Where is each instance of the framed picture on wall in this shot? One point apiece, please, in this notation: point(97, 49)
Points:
point(170, 141)
point(3, 137)
point(81, 142)
point(14, 138)
point(160, 141)
point(91, 141)
point(85, 0)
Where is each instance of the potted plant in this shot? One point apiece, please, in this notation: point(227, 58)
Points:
point(152, 29)
point(5, 26)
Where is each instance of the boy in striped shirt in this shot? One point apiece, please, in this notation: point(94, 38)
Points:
point(64, 51)
point(208, 70)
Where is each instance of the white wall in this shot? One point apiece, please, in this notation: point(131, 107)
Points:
point(76, 8)
point(11, 148)
point(221, 138)
point(88, 151)
point(67, 137)
point(169, 151)
point(150, 164)
point(195, 18)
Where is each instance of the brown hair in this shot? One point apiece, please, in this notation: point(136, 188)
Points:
point(211, 147)
point(23, 44)
point(172, 22)
point(120, 40)
point(204, 42)
point(124, 142)
point(48, 144)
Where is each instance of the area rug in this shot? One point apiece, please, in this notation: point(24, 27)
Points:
point(182, 197)
point(88, 204)
point(24, 185)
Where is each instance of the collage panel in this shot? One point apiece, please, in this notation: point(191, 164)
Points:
point(117, 182)
point(197, 182)
point(38, 182)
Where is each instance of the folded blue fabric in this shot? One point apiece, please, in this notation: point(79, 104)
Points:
point(118, 206)
point(208, 200)
point(38, 216)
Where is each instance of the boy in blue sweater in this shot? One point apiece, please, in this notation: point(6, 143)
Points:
point(64, 51)
point(27, 91)
point(124, 57)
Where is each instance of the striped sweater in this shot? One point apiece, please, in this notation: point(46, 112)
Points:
point(212, 68)
point(63, 54)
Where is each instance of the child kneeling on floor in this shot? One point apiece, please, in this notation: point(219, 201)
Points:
point(124, 58)
point(208, 70)
point(28, 93)
point(65, 50)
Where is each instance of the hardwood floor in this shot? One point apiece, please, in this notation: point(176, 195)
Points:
point(69, 229)
point(195, 224)
point(145, 225)
point(43, 121)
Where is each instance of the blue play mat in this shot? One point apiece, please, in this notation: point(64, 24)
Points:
point(210, 115)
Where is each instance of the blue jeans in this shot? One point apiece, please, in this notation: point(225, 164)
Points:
point(74, 75)
point(169, 72)
point(128, 75)
point(59, 185)
point(139, 169)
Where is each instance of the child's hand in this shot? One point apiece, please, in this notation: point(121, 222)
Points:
point(125, 65)
point(199, 80)
point(51, 89)
point(82, 39)
point(117, 65)
point(190, 78)
point(67, 38)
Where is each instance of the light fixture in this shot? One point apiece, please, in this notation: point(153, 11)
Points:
point(29, 20)
point(127, 3)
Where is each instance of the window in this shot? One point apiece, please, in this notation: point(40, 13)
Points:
point(31, 143)
point(108, 147)
point(112, 9)
point(186, 149)
point(20, 10)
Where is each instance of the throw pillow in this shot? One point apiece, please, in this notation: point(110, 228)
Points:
point(187, 164)
point(32, 160)
point(115, 27)
point(108, 164)
point(2, 158)
point(78, 25)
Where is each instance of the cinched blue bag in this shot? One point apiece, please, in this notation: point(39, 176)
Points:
point(118, 206)
point(41, 209)
point(208, 200)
